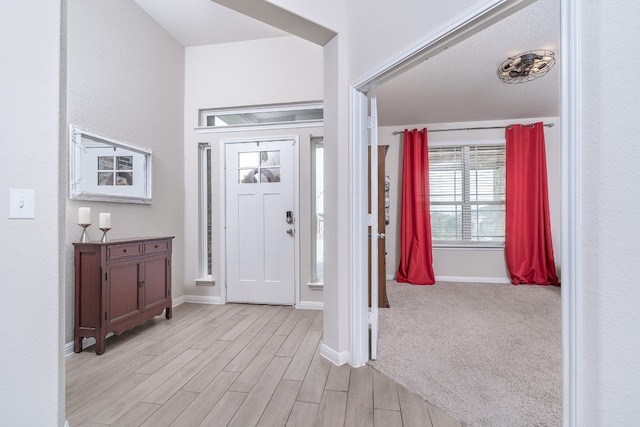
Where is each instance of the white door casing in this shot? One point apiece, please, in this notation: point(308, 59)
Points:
point(373, 222)
point(572, 331)
point(260, 235)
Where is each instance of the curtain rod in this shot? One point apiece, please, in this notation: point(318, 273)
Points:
point(398, 132)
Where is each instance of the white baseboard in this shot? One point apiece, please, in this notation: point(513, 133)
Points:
point(333, 356)
point(200, 299)
point(177, 301)
point(311, 305)
point(472, 279)
point(464, 279)
point(87, 342)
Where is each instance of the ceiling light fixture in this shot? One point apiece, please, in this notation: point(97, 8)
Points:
point(526, 66)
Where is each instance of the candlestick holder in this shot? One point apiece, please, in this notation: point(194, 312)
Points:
point(84, 238)
point(104, 235)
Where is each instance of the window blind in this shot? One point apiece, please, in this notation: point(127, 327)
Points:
point(467, 189)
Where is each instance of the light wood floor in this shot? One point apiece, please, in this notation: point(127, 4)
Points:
point(235, 365)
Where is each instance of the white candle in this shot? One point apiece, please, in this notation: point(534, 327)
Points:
point(105, 220)
point(84, 215)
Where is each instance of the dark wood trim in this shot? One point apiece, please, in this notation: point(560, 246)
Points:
point(383, 300)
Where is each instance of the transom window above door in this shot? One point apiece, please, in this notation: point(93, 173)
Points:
point(261, 115)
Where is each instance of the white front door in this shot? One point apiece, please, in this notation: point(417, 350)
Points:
point(261, 222)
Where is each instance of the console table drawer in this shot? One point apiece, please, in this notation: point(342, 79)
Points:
point(121, 251)
point(157, 246)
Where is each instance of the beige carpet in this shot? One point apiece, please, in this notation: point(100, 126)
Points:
point(487, 354)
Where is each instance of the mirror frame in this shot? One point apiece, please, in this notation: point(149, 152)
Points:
point(77, 159)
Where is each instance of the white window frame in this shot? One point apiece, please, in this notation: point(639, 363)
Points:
point(457, 244)
point(316, 283)
point(272, 108)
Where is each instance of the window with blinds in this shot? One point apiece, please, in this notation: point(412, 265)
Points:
point(467, 187)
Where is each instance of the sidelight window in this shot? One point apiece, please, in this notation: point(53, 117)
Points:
point(206, 213)
point(317, 208)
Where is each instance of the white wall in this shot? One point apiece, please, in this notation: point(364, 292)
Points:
point(470, 265)
point(126, 81)
point(31, 362)
point(275, 70)
point(268, 71)
point(610, 202)
point(372, 35)
point(338, 262)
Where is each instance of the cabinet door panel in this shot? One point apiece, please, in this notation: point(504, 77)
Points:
point(155, 282)
point(124, 296)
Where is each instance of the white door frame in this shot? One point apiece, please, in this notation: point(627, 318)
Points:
point(296, 204)
point(461, 27)
point(373, 221)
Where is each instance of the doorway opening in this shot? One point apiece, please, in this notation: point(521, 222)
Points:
point(570, 83)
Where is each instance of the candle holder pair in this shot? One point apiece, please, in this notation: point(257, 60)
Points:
point(84, 238)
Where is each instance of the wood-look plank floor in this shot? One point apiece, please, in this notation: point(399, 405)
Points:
point(233, 365)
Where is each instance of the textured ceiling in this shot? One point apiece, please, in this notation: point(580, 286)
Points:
point(461, 84)
point(457, 85)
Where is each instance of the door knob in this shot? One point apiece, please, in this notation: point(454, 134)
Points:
point(290, 232)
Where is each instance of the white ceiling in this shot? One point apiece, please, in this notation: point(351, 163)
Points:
point(457, 85)
point(461, 83)
point(203, 22)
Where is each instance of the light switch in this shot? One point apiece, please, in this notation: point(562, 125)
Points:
point(22, 204)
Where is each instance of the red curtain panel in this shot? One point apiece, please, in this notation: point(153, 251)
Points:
point(416, 258)
point(528, 247)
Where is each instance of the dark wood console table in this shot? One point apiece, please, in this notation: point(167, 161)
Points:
point(119, 285)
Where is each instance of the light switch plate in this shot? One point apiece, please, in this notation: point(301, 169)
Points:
point(22, 204)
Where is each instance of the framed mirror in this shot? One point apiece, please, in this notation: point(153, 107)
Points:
point(103, 169)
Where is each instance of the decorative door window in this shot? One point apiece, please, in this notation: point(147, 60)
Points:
point(115, 170)
point(258, 166)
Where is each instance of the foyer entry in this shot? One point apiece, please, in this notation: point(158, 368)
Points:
point(260, 221)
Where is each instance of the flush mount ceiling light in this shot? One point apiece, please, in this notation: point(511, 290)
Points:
point(526, 66)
